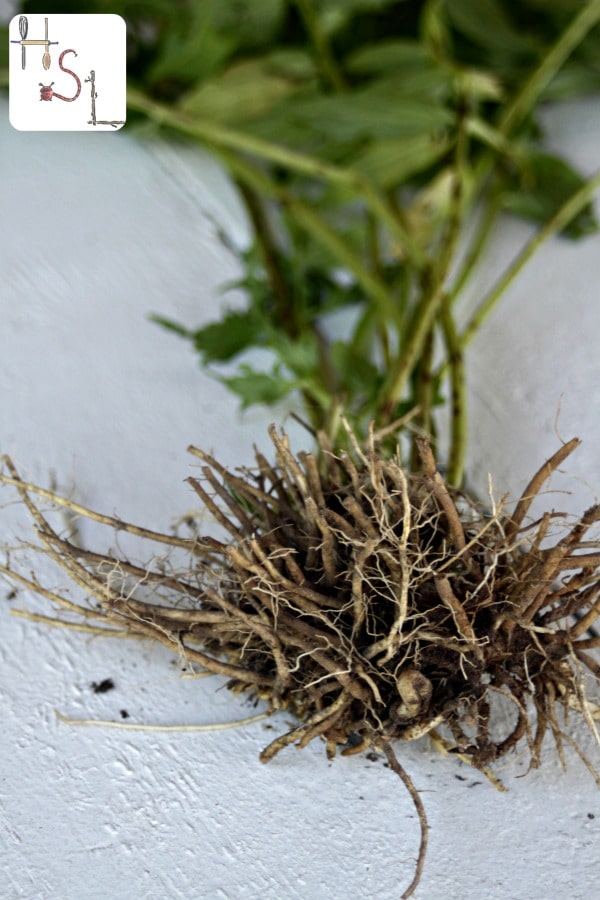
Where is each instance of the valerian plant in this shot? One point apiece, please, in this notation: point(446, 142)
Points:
point(363, 137)
point(364, 593)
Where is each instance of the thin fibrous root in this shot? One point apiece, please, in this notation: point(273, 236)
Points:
point(375, 605)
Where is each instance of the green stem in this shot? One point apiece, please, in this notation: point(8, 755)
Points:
point(550, 65)
point(521, 105)
point(315, 225)
point(284, 303)
point(374, 255)
point(425, 386)
point(458, 401)
point(556, 224)
point(483, 232)
point(428, 308)
point(220, 137)
point(524, 101)
point(320, 41)
point(373, 245)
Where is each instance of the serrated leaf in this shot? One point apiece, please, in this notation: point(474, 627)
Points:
point(221, 341)
point(171, 325)
point(543, 186)
point(391, 162)
point(365, 114)
point(244, 91)
point(254, 387)
point(234, 333)
point(429, 83)
point(299, 355)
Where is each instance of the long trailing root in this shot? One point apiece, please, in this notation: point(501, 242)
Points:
point(374, 604)
point(418, 803)
point(135, 726)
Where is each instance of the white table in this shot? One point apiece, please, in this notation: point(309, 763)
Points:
point(98, 231)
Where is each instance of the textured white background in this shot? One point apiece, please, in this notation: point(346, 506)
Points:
point(96, 233)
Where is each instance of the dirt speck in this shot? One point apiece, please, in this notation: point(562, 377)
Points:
point(102, 687)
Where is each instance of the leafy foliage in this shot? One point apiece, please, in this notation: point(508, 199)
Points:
point(362, 135)
point(544, 183)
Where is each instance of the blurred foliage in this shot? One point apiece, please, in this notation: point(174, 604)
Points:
point(362, 135)
point(174, 45)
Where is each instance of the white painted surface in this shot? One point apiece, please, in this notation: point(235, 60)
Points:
point(98, 232)
point(534, 369)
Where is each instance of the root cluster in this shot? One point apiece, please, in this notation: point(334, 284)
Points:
point(375, 605)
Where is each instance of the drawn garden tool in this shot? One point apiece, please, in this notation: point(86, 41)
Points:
point(23, 28)
point(46, 57)
point(94, 121)
point(24, 42)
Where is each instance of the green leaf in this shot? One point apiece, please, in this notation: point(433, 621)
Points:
point(485, 23)
point(171, 325)
point(234, 333)
point(300, 355)
point(194, 50)
point(254, 387)
point(244, 91)
point(356, 373)
point(430, 83)
point(573, 80)
point(480, 86)
point(545, 183)
point(294, 64)
point(334, 15)
point(368, 115)
point(4, 47)
point(434, 30)
point(482, 131)
point(383, 56)
point(254, 22)
point(391, 162)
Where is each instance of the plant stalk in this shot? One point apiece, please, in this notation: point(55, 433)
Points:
point(571, 37)
point(556, 224)
point(220, 137)
point(318, 36)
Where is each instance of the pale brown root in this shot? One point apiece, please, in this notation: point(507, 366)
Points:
point(370, 603)
point(442, 495)
point(79, 510)
point(418, 803)
point(535, 485)
point(53, 622)
point(322, 717)
point(33, 585)
point(134, 726)
point(444, 747)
